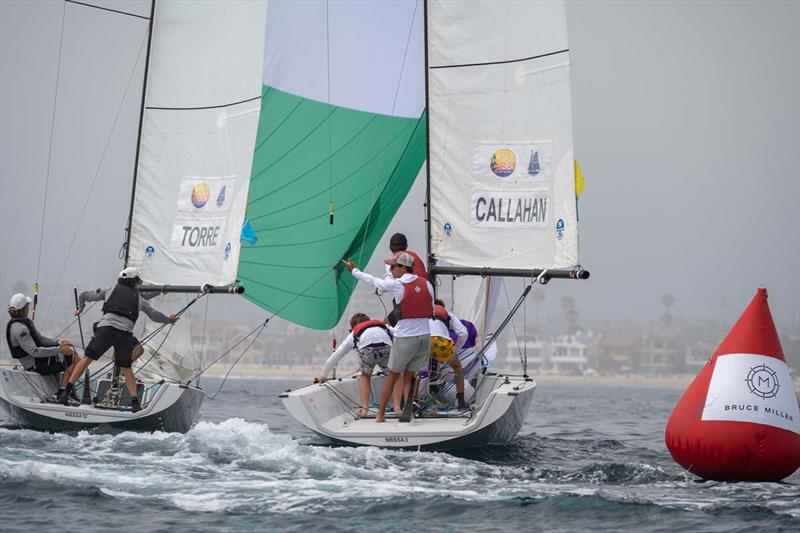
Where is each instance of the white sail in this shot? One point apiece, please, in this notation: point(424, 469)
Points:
point(501, 158)
point(199, 126)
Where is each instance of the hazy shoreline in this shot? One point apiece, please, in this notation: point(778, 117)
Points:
point(307, 372)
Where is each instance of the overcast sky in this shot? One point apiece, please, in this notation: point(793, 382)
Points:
point(687, 126)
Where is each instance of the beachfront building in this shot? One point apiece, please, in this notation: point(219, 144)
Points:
point(535, 348)
point(568, 354)
point(614, 353)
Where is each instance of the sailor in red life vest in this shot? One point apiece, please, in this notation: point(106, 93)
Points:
point(372, 340)
point(412, 333)
point(399, 244)
point(443, 349)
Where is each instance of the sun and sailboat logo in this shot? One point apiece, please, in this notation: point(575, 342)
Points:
point(763, 381)
point(200, 194)
point(503, 162)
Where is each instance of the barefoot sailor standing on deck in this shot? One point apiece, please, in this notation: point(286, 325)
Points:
point(413, 296)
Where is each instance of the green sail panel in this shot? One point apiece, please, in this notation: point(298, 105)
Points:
point(308, 155)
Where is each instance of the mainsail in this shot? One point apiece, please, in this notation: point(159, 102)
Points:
point(201, 109)
point(502, 189)
point(340, 142)
point(199, 121)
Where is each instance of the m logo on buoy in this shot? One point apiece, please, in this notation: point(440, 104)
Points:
point(727, 430)
point(763, 381)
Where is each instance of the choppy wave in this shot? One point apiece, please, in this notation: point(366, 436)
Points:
point(239, 474)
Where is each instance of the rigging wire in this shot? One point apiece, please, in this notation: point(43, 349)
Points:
point(50, 152)
point(386, 143)
point(96, 174)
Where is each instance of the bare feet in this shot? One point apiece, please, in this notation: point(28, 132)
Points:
point(361, 411)
point(380, 417)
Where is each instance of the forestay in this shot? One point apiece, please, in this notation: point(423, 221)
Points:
point(340, 142)
point(502, 187)
point(198, 132)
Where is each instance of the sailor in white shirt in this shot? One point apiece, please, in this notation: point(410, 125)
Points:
point(413, 298)
point(372, 340)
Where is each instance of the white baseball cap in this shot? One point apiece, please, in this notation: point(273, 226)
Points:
point(130, 272)
point(18, 301)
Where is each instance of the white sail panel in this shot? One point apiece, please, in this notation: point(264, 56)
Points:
point(198, 135)
point(501, 158)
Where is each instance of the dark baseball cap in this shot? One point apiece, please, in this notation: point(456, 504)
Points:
point(398, 239)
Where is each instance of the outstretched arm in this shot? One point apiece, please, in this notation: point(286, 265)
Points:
point(343, 349)
point(96, 295)
point(154, 314)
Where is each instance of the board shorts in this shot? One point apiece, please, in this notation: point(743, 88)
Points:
point(371, 355)
point(48, 366)
point(442, 349)
point(410, 353)
point(105, 337)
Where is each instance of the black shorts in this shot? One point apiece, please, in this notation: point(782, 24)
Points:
point(48, 366)
point(106, 337)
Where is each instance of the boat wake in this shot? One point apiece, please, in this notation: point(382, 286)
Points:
point(241, 468)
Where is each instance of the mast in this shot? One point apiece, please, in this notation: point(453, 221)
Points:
point(430, 258)
point(139, 136)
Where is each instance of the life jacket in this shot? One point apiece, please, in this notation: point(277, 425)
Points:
point(441, 314)
point(17, 352)
point(123, 301)
point(363, 326)
point(418, 268)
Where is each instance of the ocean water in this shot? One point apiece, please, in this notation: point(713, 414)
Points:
point(587, 458)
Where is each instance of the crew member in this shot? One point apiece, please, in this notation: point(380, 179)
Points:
point(120, 311)
point(35, 352)
point(413, 297)
point(399, 244)
point(372, 340)
point(444, 349)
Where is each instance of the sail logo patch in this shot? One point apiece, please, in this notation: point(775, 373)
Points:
point(200, 193)
point(560, 229)
point(503, 162)
point(227, 251)
point(534, 167)
point(509, 209)
point(763, 381)
point(191, 235)
point(512, 163)
point(448, 229)
point(150, 251)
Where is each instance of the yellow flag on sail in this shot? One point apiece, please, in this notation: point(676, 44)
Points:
point(580, 183)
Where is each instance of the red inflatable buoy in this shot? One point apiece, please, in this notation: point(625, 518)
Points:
point(739, 420)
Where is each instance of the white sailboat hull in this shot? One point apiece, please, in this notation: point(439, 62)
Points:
point(500, 408)
point(167, 406)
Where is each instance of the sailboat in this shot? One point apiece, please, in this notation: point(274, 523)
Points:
point(356, 97)
point(198, 122)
